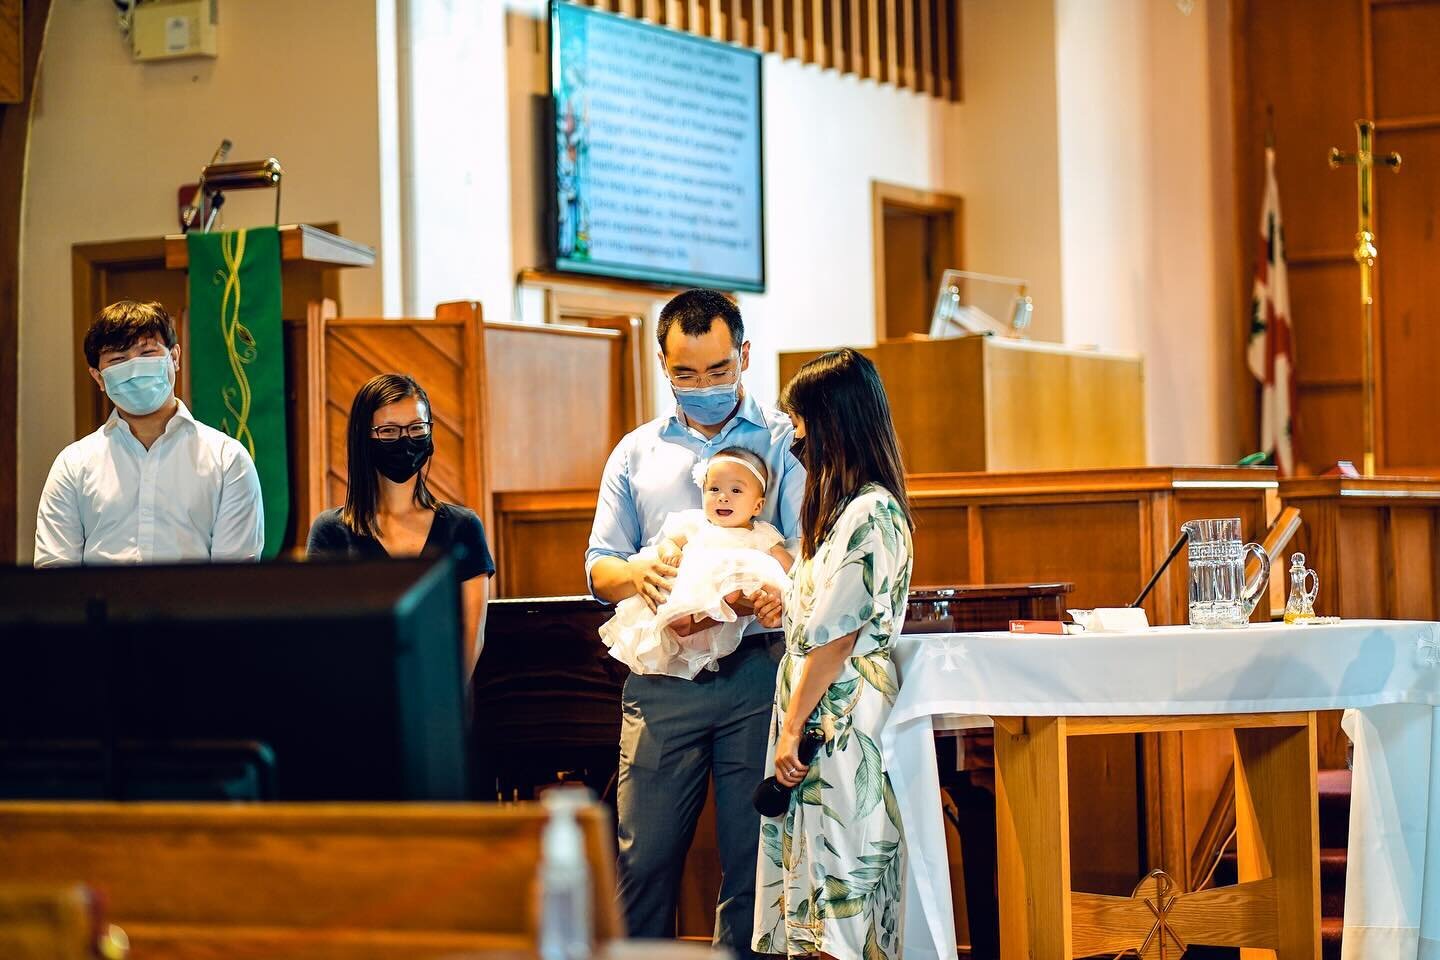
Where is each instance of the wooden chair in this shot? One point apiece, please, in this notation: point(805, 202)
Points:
point(319, 882)
point(46, 922)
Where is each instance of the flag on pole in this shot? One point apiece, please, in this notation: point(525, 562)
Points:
point(1270, 351)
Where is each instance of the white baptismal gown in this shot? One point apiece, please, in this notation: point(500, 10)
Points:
point(716, 562)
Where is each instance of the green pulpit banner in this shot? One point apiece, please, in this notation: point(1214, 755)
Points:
point(237, 356)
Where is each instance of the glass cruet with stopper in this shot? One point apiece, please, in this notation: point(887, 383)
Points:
point(1301, 603)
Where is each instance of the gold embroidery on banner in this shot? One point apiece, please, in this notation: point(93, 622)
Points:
point(240, 346)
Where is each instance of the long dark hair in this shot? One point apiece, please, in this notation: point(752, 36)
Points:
point(849, 439)
point(363, 495)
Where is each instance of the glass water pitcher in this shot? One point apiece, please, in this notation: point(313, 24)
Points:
point(1220, 596)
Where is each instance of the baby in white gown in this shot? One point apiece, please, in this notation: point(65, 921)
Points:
point(721, 552)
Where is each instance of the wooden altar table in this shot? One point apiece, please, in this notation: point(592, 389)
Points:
point(1264, 683)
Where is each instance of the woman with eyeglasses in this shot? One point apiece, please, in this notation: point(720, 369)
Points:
point(389, 510)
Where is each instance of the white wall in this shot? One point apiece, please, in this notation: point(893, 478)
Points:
point(1146, 227)
point(113, 139)
point(1001, 151)
point(455, 159)
point(827, 136)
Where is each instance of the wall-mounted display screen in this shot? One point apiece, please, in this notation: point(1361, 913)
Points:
point(657, 172)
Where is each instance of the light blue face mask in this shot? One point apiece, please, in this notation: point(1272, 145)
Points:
point(708, 405)
point(140, 385)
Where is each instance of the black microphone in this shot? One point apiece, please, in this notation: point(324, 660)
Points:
point(187, 219)
point(771, 798)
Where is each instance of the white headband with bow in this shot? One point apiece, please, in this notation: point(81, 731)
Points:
point(702, 467)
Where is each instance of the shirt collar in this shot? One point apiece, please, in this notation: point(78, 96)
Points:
point(183, 418)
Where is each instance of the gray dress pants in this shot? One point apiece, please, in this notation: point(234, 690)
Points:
point(674, 734)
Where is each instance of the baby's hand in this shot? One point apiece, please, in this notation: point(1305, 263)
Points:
point(669, 552)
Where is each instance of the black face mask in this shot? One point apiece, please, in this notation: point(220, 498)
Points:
point(399, 460)
point(797, 449)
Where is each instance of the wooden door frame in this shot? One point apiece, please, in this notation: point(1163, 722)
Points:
point(14, 151)
point(885, 196)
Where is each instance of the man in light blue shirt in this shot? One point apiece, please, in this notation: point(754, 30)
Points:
point(675, 733)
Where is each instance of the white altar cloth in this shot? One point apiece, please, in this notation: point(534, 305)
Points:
point(1387, 673)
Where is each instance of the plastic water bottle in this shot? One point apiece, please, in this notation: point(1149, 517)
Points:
point(566, 928)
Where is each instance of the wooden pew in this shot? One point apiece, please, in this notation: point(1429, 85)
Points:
point(319, 882)
point(49, 922)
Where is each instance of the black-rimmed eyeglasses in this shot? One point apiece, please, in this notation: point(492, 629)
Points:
point(390, 432)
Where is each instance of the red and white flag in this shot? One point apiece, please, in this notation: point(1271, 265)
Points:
point(1270, 351)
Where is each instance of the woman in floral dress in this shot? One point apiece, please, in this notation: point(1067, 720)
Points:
point(830, 870)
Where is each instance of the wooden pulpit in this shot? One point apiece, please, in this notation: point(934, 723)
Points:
point(975, 404)
point(155, 268)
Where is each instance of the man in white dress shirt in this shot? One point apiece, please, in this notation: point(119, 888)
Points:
point(152, 485)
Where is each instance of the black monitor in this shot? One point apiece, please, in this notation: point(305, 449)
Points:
point(285, 681)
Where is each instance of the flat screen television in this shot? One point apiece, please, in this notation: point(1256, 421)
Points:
point(276, 681)
point(657, 172)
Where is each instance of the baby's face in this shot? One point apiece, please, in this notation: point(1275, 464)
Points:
point(733, 497)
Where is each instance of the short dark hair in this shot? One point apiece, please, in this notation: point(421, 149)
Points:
point(696, 311)
point(121, 324)
point(362, 494)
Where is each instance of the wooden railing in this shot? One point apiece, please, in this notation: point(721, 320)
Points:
point(910, 44)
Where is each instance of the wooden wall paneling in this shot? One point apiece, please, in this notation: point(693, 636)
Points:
point(1327, 340)
point(889, 42)
point(857, 26)
point(540, 539)
point(305, 358)
point(1408, 315)
point(810, 17)
point(12, 49)
point(1360, 533)
point(873, 40)
point(474, 404)
point(1411, 545)
point(942, 546)
point(800, 30)
point(1404, 40)
point(1316, 90)
point(1052, 550)
point(781, 40)
point(581, 415)
point(911, 44)
point(1332, 424)
point(945, 47)
point(925, 20)
point(907, 44)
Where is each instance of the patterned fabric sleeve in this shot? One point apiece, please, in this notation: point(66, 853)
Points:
point(860, 578)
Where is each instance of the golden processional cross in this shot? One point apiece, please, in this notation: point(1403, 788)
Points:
point(1364, 160)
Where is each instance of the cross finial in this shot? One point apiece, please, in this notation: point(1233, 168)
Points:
point(1364, 160)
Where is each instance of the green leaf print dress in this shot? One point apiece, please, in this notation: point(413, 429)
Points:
point(830, 871)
